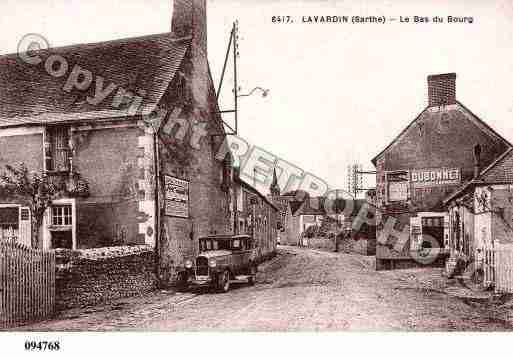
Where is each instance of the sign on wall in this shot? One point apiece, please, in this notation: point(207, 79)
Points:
point(176, 199)
point(435, 177)
point(397, 191)
point(397, 186)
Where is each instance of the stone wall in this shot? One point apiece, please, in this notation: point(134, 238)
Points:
point(23, 148)
point(361, 246)
point(92, 277)
point(109, 159)
point(187, 149)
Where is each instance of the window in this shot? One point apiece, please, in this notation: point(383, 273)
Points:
point(61, 215)
point(59, 149)
point(9, 223)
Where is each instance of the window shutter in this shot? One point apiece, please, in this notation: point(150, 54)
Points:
point(59, 137)
point(25, 233)
point(447, 229)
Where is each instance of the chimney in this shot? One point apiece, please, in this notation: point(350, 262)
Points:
point(442, 89)
point(190, 19)
point(477, 160)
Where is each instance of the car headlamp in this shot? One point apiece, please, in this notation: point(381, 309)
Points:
point(188, 264)
point(212, 262)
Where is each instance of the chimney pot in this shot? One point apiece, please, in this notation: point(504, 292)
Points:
point(190, 19)
point(442, 89)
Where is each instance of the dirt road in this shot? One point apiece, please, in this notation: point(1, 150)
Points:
point(301, 289)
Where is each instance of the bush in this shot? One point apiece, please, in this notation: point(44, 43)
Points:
point(310, 232)
point(315, 231)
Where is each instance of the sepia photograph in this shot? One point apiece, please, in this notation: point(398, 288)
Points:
point(229, 166)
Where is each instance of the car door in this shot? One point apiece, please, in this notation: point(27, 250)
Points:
point(237, 256)
point(246, 254)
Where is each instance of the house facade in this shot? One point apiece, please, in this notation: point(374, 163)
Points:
point(256, 216)
point(426, 162)
point(481, 213)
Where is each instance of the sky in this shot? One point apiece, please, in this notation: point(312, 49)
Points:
point(339, 93)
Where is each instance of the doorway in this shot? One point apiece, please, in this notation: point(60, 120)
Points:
point(433, 228)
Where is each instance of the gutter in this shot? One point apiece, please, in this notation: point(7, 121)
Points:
point(156, 165)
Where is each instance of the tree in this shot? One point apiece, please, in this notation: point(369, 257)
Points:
point(33, 189)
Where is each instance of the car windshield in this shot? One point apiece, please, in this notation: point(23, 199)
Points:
point(208, 244)
point(223, 244)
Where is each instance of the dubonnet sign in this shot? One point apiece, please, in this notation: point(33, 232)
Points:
point(435, 177)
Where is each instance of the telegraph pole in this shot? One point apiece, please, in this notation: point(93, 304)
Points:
point(355, 175)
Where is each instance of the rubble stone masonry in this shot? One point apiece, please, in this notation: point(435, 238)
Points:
point(92, 277)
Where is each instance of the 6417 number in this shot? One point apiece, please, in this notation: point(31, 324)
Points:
point(281, 19)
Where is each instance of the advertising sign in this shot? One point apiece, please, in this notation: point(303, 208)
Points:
point(176, 199)
point(435, 177)
point(397, 191)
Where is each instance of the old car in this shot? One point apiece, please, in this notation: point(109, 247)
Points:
point(222, 260)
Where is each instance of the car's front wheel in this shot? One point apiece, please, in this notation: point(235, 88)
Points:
point(223, 282)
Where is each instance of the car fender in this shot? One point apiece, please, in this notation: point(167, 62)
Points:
point(222, 268)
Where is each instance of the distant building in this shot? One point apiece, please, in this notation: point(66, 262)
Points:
point(426, 162)
point(255, 215)
point(283, 203)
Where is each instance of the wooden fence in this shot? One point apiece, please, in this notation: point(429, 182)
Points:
point(498, 268)
point(489, 267)
point(504, 270)
point(27, 284)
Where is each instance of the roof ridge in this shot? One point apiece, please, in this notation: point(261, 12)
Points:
point(496, 162)
point(399, 135)
point(473, 115)
point(106, 42)
point(494, 132)
point(478, 179)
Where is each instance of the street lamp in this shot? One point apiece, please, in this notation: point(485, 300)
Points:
point(265, 92)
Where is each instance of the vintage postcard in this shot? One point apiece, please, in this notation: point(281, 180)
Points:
point(255, 166)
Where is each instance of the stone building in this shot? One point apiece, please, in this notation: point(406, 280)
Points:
point(132, 130)
point(285, 203)
point(428, 160)
point(256, 215)
point(481, 212)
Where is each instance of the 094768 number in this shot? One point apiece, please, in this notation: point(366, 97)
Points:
point(42, 346)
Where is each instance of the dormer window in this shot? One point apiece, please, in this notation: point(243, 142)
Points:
point(57, 149)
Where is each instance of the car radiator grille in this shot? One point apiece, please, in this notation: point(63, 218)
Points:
point(201, 266)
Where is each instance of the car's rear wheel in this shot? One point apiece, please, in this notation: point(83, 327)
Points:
point(252, 274)
point(223, 282)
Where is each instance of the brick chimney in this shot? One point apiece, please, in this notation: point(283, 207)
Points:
point(442, 89)
point(190, 19)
